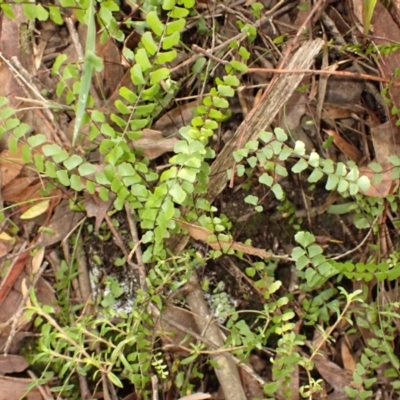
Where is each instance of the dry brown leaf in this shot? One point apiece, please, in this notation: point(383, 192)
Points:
point(384, 141)
point(339, 111)
point(10, 166)
point(63, 221)
point(37, 260)
point(109, 79)
point(154, 144)
point(174, 119)
point(15, 389)
point(202, 234)
point(45, 294)
point(20, 192)
point(348, 360)
point(381, 189)
point(173, 336)
point(337, 377)
point(345, 147)
point(12, 363)
point(294, 109)
point(5, 247)
point(11, 276)
point(387, 32)
point(97, 208)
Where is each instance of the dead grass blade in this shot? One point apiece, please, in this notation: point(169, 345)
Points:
point(203, 234)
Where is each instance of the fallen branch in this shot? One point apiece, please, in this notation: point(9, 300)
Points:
point(226, 370)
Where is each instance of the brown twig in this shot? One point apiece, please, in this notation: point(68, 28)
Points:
point(347, 74)
point(137, 249)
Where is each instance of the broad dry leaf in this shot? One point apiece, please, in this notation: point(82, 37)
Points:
point(4, 248)
point(43, 290)
point(16, 389)
point(386, 32)
point(345, 147)
point(5, 237)
point(384, 141)
point(11, 165)
point(37, 260)
point(174, 119)
point(12, 363)
point(10, 277)
point(97, 208)
point(21, 193)
point(202, 234)
point(62, 223)
point(154, 144)
point(109, 78)
point(348, 360)
point(331, 112)
point(337, 377)
point(36, 210)
point(381, 189)
point(294, 109)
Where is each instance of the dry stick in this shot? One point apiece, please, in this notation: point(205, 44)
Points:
point(35, 90)
point(346, 74)
point(43, 391)
point(84, 386)
point(113, 392)
point(204, 340)
point(83, 277)
point(137, 249)
point(75, 38)
point(104, 384)
point(23, 75)
point(226, 369)
point(154, 387)
point(288, 50)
